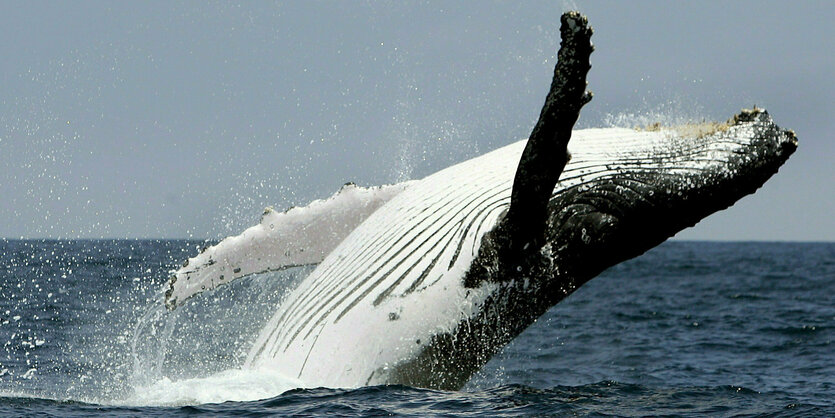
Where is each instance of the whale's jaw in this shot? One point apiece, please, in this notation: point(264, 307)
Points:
point(642, 203)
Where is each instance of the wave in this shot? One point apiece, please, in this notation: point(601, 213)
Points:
point(600, 398)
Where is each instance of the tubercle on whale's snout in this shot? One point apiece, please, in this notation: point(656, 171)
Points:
point(772, 145)
point(749, 115)
point(790, 145)
point(787, 142)
point(769, 133)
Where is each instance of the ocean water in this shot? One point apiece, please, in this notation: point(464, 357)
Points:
point(688, 329)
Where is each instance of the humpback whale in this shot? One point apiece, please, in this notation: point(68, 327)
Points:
point(421, 283)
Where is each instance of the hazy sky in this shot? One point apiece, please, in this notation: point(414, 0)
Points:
point(186, 119)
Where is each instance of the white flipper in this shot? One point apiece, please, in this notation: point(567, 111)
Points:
point(299, 236)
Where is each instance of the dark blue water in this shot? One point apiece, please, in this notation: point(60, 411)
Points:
point(688, 329)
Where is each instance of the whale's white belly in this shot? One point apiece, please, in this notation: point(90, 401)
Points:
point(354, 313)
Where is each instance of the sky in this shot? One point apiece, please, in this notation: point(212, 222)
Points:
point(186, 119)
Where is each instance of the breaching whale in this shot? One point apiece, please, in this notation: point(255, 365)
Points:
point(420, 283)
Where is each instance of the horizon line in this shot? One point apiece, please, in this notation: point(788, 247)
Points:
point(718, 240)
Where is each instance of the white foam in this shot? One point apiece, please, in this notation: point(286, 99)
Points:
point(230, 385)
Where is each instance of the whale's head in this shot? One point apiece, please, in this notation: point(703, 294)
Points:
point(622, 195)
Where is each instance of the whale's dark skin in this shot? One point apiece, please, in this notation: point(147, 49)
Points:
point(547, 246)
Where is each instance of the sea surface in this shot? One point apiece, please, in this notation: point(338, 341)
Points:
point(688, 329)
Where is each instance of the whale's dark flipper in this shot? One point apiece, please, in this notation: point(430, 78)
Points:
point(514, 244)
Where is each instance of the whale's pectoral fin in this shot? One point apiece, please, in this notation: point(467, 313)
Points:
point(299, 236)
point(519, 236)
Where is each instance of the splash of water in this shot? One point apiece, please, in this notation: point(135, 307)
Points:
point(676, 111)
point(229, 385)
point(195, 354)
